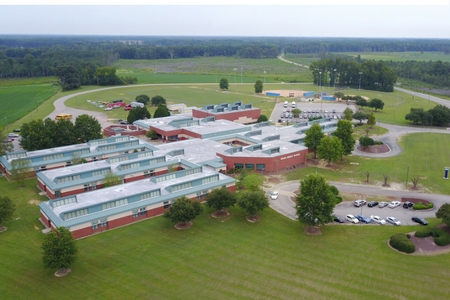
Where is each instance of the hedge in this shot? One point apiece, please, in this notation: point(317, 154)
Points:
point(420, 206)
point(401, 242)
point(441, 238)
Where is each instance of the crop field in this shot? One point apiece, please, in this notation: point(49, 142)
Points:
point(217, 259)
point(20, 100)
point(399, 56)
point(211, 70)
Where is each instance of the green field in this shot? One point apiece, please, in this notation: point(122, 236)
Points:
point(211, 70)
point(217, 259)
point(399, 56)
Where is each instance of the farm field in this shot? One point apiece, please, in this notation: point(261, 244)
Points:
point(211, 70)
point(399, 56)
point(217, 259)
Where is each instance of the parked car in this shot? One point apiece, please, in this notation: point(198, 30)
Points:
point(420, 220)
point(16, 130)
point(338, 219)
point(393, 221)
point(359, 203)
point(394, 204)
point(363, 219)
point(378, 220)
point(382, 204)
point(124, 122)
point(274, 195)
point(108, 108)
point(372, 203)
point(13, 135)
point(351, 219)
point(408, 204)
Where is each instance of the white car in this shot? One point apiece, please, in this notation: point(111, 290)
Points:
point(108, 108)
point(274, 195)
point(352, 219)
point(358, 203)
point(394, 204)
point(378, 220)
point(393, 221)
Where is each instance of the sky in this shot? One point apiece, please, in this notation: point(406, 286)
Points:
point(340, 18)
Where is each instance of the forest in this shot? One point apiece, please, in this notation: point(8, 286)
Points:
point(35, 56)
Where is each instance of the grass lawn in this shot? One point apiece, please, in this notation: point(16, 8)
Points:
point(218, 259)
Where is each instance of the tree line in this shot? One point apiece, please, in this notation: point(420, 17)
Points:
point(432, 72)
point(369, 74)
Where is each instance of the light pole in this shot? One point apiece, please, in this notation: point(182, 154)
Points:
point(407, 174)
point(431, 124)
point(329, 75)
point(320, 82)
point(334, 82)
point(360, 73)
point(264, 77)
point(235, 69)
point(241, 75)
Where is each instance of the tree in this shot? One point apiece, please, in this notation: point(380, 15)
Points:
point(367, 176)
point(112, 179)
point(440, 115)
point(253, 202)
point(20, 169)
point(348, 114)
point(223, 85)
point(251, 181)
point(415, 181)
point(371, 120)
point(344, 132)
point(296, 112)
point(183, 210)
point(258, 87)
point(5, 147)
point(220, 199)
point(376, 103)
point(330, 148)
point(142, 99)
point(87, 128)
point(158, 100)
point(339, 95)
point(365, 141)
point(361, 102)
point(107, 76)
point(418, 115)
point(444, 213)
point(59, 250)
point(69, 77)
point(35, 136)
point(262, 118)
point(385, 177)
point(151, 134)
point(313, 138)
point(7, 209)
point(161, 111)
point(138, 113)
point(315, 202)
point(359, 115)
point(63, 132)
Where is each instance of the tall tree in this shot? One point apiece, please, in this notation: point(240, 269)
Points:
point(161, 111)
point(418, 115)
point(107, 76)
point(344, 132)
point(440, 115)
point(7, 209)
point(87, 128)
point(35, 136)
point(183, 210)
point(258, 87)
point(220, 198)
point(5, 147)
point(253, 202)
point(63, 134)
point(59, 249)
point(371, 121)
point(143, 98)
point(360, 115)
point(376, 103)
point(315, 202)
point(348, 114)
point(262, 118)
point(157, 100)
point(69, 77)
point(138, 113)
point(314, 136)
point(330, 149)
point(20, 169)
point(223, 85)
point(251, 181)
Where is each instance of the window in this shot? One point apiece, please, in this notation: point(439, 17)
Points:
point(150, 194)
point(166, 204)
point(57, 194)
point(74, 214)
point(261, 167)
point(94, 225)
point(135, 213)
point(181, 186)
point(250, 166)
point(238, 166)
point(104, 223)
point(210, 179)
point(115, 203)
point(86, 187)
point(56, 203)
point(142, 211)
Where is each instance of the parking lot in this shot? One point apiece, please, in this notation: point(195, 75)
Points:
point(283, 113)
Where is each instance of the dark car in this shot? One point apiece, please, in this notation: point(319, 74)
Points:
point(420, 220)
point(372, 204)
point(124, 123)
point(16, 130)
point(408, 204)
point(363, 219)
point(338, 219)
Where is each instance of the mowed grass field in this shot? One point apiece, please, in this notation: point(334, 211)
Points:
point(400, 56)
point(218, 259)
point(211, 70)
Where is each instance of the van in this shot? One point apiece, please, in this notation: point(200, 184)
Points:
point(285, 104)
point(293, 104)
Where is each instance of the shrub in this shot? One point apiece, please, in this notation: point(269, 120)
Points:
point(423, 232)
point(441, 238)
point(401, 242)
point(338, 199)
point(420, 206)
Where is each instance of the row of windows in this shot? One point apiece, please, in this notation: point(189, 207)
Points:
point(65, 201)
point(193, 171)
point(74, 214)
point(100, 172)
point(54, 156)
point(150, 194)
point(259, 167)
point(182, 186)
point(16, 155)
point(115, 203)
point(139, 212)
point(102, 223)
point(130, 166)
point(166, 177)
point(80, 152)
point(108, 147)
point(69, 178)
point(210, 179)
